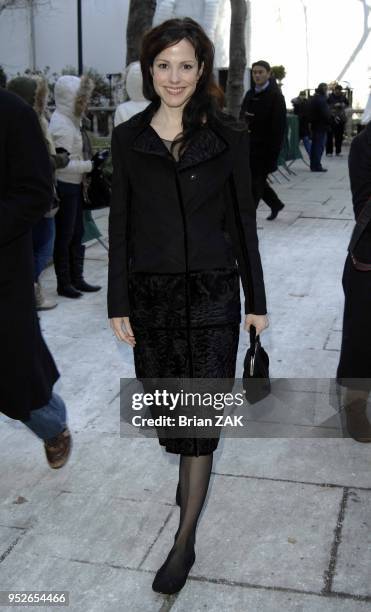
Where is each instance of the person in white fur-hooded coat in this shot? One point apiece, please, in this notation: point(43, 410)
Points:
point(134, 87)
point(72, 95)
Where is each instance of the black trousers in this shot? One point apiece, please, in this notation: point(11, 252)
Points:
point(262, 190)
point(69, 229)
point(335, 132)
point(317, 148)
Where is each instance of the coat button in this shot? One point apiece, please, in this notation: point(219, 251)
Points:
point(193, 177)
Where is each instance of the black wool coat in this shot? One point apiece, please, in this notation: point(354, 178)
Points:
point(27, 371)
point(319, 113)
point(355, 355)
point(171, 217)
point(360, 182)
point(265, 114)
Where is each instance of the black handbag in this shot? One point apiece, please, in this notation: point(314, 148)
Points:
point(97, 184)
point(97, 193)
point(256, 382)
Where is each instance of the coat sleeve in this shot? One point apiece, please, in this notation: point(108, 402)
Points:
point(79, 166)
point(242, 224)
point(63, 138)
point(359, 163)
point(29, 177)
point(324, 111)
point(278, 127)
point(118, 292)
point(243, 109)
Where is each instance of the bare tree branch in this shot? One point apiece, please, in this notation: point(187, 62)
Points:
point(364, 37)
point(19, 4)
point(237, 56)
point(4, 4)
point(140, 19)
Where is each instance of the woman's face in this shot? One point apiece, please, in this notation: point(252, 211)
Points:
point(175, 73)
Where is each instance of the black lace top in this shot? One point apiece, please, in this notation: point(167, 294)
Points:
point(168, 144)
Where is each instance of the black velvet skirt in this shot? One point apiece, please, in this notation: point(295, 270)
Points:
point(354, 368)
point(186, 326)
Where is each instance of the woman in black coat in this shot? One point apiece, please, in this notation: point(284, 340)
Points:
point(354, 370)
point(182, 213)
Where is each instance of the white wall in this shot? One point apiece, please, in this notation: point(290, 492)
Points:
point(14, 41)
point(56, 35)
point(104, 29)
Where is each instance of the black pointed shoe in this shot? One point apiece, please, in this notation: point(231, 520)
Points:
point(82, 285)
point(168, 583)
point(68, 291)
point(275, 212)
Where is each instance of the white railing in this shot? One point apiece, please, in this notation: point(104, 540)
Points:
point(102, 119)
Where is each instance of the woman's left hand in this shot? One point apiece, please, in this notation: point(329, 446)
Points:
point(260, 322)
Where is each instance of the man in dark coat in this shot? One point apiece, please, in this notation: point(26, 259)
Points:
point(337, 102)
point(301, 108)
point(264, 109)
point(28, 371)
point(319, 119)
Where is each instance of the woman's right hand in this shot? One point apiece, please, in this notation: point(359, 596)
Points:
point(122, 329)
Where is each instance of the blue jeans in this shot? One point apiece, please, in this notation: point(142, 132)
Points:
point(50, 420)
point(307, 144)
point(43, 234)
point(318, 146)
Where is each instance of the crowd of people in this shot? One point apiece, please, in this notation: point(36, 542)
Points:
point(186, 184)
point(322, 120)
point(59, 234)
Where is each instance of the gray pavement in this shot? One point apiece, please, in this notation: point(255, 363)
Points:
point(286, 526)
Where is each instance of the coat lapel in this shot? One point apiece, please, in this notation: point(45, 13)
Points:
point(148, 141)
point(206, 144)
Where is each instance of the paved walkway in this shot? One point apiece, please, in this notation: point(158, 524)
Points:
point(287, 521)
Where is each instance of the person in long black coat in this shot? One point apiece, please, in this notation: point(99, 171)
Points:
point(264, 110)
point(354, 370)
point(337, 102)
point(182, 216)
point(28, 371)
point(319, 119)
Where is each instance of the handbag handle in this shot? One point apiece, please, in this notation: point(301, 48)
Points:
point(254, 339)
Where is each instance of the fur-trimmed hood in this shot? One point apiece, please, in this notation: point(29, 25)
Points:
point(33, 89)
point(71, 94)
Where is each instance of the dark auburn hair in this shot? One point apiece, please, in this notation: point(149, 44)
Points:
point(207, 100)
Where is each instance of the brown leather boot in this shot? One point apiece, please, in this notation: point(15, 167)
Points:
point(58, 449)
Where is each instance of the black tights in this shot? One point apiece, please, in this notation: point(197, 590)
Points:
point(194, 477)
